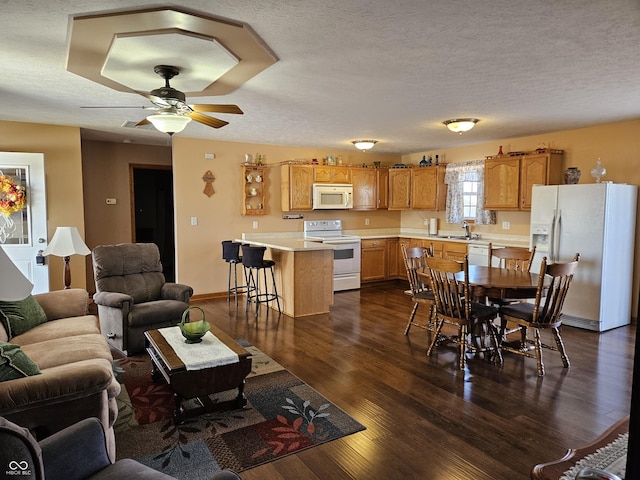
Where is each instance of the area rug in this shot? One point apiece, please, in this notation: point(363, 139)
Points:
point(283, 416)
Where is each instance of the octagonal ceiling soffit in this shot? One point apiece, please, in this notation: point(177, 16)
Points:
point(119, 50)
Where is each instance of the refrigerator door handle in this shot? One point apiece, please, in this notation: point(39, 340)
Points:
point(552, 237)
point(556, 236)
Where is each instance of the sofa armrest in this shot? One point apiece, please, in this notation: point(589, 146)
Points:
point(57, 385)
point(63, 303)
point(176, 291)
point(113, 300)
point(77, 452)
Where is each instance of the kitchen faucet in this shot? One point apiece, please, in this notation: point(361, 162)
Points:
point(467, 231)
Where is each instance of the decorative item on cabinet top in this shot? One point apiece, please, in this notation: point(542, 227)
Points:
point(254, 189)
point(521, 153)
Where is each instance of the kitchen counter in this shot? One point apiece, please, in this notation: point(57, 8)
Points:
point(445, 236)
point(303, 271)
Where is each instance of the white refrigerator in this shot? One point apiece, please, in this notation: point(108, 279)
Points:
point(597, 221)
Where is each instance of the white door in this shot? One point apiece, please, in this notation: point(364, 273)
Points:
point(24, 233)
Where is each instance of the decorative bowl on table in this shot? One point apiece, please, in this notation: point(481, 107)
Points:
point(193, 331)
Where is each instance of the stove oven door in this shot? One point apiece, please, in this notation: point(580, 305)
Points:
point(346, 264)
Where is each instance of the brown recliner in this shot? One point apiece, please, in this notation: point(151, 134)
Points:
point(132, 294)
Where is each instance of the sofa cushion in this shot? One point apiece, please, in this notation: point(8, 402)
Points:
point(21, 316)
point(60, 351)
point(63, 328)
point(14, 363)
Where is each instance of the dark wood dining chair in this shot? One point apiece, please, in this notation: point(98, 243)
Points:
point(454, 306)
point(511, 258)
point(415, 260)
point(545, 313)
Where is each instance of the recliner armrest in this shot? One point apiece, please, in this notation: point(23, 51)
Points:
point(113, 299)
point(76, 452)
point(176, 291)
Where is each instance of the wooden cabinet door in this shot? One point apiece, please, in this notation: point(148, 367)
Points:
point(501, 183)
point(424, 188)
point(382, 188)
point(454, 250)
point(364, 188)
point(395, 262)
point(399, 189)
point(330, 174)
point(373, 260)
point(297, 184)
point(533, 171)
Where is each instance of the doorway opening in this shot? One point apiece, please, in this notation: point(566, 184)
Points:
point(152, 211)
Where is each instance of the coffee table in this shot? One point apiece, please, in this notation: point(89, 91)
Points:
point(198, 384)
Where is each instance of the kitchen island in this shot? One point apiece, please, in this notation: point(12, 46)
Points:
point(303, 272)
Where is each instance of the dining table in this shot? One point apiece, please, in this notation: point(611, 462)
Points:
point(496, 282)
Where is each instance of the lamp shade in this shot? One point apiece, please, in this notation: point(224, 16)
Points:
point(364, 144)
point(169, 122)
point(14, 285)
point(66, 242)
point(460, 125)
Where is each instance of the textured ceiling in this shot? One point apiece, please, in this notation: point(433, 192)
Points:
point(359, 69)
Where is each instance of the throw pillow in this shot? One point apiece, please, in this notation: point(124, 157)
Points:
point(14, 363)
point(20, 316)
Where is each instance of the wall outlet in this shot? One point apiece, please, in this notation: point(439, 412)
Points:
point(209, 156)
point(255, 224)
point(425, 222)
point(194, 221)
point(111, 201)
point(506, 225)
point(366, 221)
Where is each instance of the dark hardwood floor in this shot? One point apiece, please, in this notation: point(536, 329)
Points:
point(425, 419)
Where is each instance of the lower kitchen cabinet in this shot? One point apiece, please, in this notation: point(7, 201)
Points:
point(374, 260)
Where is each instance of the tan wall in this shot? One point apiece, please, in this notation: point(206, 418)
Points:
point(199, 250)
point(106, 175)
point(63, 171)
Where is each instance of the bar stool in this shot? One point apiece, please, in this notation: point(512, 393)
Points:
point(253, 261)
point(231, 255)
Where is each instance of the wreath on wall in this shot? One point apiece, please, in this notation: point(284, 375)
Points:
point(12, 197)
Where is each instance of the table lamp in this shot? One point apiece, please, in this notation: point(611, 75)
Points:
point(14, 285)
point(66, 241)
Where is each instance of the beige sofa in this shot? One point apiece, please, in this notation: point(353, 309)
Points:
point(76, 377)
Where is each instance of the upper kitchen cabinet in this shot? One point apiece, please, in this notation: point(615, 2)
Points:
point(297, 187)
point(539, 169)
point(382, 185)
point(508, 180)
point(399, 189)
point(331, 174)
point(418, 188)
point(428, 190)
point(364, 182)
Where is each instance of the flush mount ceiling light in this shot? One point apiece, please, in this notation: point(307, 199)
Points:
point(364, 145)
point(169, 122)
point(461, 125)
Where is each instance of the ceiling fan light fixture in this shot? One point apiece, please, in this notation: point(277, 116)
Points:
point(364, 145)
point(461, 125)
point(169, 122)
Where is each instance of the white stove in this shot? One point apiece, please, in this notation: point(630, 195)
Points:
point(346, 253)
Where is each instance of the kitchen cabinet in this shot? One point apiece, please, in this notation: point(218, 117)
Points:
point(399, 189)
point(254, 180)
point(382, 188)
point(451, 250)
point(508, 180)
point(418, 188)
point(297, 187)
point(331, 174)
point(395, 261)
point(364, 182)
point(374, 260)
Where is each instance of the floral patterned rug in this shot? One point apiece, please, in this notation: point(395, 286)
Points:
point(283, 416)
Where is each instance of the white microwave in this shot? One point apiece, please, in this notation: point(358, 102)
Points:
point(332, 196)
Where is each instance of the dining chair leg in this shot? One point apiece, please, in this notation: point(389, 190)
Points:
point(462, 331)
point(560, 344)
point(493, 332)
point(538, 344)
point(413, 314)
point(436, 334)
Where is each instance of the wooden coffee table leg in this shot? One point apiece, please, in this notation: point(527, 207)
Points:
point(155, 373)
point(241, 400)
point(179, 414)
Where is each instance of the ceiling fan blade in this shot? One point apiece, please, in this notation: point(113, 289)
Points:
point(216, 108)
point(158, 101)
point(206, 120)
point(144, 121)
point(120, 106)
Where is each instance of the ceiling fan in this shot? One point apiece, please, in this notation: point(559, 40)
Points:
point(173, 112)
